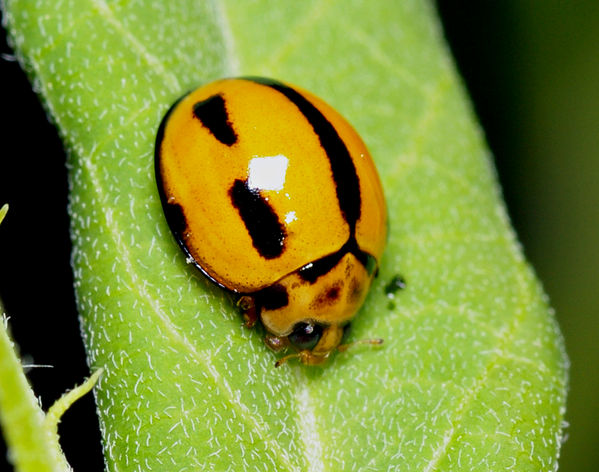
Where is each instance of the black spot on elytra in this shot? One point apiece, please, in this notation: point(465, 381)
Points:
point(212, 113)
point(310, 272)
point(175, 217)
point(261, 221)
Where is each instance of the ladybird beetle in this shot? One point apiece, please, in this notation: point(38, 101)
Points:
point(274, 197)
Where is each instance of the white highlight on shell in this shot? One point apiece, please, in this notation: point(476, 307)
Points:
point(267, 173)
point(289, 217)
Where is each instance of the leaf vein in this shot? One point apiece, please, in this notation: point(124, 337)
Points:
point(48, 47)
point(505, 339)
point(308, 426)
point(222, 18)
point(382, 57)
point(297, 33)
point(153, 61)
point(251, 419)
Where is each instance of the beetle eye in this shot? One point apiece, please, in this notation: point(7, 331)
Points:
point(305, 335)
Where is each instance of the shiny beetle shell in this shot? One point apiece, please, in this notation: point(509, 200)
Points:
point(274, 197)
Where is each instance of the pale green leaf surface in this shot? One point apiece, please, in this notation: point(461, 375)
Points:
point(21, 417)
point(30, 435)
point(472, 372)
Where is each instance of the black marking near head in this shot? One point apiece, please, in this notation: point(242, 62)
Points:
point(367, 260)
point(344, 172)
point(310, 272)
point(332, 294)
point(212, 113)
point(273, 297)
point(328, 297)
point(261, 221)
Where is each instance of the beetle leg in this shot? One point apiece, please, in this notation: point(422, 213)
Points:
point(305, 357)
point(276, 343)
point(345, 347)
point(250, 312)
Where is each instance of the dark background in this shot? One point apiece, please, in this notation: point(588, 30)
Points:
point(532, 70)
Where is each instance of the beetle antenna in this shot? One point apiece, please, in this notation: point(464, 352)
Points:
point(345, 347)
point(282, 360)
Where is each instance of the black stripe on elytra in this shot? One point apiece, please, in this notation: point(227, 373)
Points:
point(212, 112)
point(261, 221)
point(173, 212)
point(310, 272)
point(344, 172)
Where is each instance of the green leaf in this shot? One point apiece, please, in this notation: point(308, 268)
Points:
point(21, 417)
point(472, 372)
point(31, 437)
